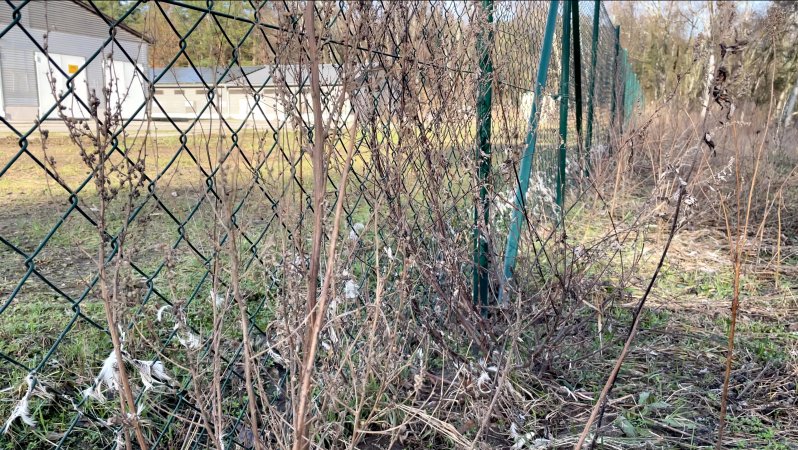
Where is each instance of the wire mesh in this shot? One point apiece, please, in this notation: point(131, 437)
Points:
point(142, 139)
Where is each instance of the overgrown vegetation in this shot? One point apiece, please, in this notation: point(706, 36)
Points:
point(311, 287)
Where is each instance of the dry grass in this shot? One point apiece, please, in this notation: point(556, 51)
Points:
point(221, 285)
point(667, 393)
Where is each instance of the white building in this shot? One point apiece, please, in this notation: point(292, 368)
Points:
point(80, 52)
point(267, 94)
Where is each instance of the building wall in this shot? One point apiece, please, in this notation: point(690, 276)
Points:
point(187, 102)
point(241, 102)
point(73, 31)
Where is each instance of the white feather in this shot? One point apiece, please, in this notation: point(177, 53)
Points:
point(120, 438)
point(22, 408)
point(108, 377)
point(483, 379)
point(161, 311)
point(217, 299)
point(354, 233)
point(191, 341)
point(540, 443)
point(514, 432)
point(520, 441)
point(273, 355)
point(152, 373)
point(351, 289)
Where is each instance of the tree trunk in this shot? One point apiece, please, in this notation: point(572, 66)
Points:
point(710, 66)
point(790, 107)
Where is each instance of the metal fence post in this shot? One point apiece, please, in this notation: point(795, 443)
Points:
point(514, 234)
point(613, 99)
point(483, 155)
point(592, 89)
point(565, 66)
point(577, 37)
point(630, 89)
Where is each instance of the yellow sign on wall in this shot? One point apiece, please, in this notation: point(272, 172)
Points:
point(72, 68)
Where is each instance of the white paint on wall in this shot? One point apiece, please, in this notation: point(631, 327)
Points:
point(127, 88)
point(70, 65)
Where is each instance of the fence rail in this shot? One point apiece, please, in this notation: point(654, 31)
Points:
point(151, 147)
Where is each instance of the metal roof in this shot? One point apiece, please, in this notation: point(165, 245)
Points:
point(200, 75)
point(292, 75)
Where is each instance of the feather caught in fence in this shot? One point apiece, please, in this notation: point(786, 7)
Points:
point(22, 408)
point(357, 229)
point(189, 339)
point(108, 377)
point(161, 310)
point(351, 289)
point(217, 299)
point(152, 373)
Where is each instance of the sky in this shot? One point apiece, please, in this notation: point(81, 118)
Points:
point(757, 5)
point(743, 7)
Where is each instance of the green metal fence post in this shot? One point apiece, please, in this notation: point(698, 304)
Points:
point(577, 37)
point(613, 100)
point(514, 234)
point(626, 90)
point(630, 90)
point(592, 89)
point(565, 66)
point(484, 99)
point(625, 86)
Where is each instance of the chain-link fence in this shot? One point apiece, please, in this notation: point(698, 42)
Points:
point(157, 170)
